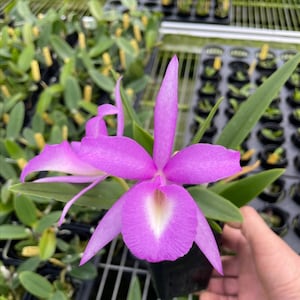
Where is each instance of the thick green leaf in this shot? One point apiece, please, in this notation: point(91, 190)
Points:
point(101, 197)
point(96, 9)
point(102, 45)
point(13, 149)
point(59, 295)
point(85, 272)
point(251, 110)
point(26, 57)
point(13, 232)
point(46, 221)
point(44, 101)
point(30, 264)
point(25, 210)
point(143, 137)
point(134, 292)
point(36, 284)
point(47, 244)
point(125, 45)
point(72, 93)
point(62, 48)
point(16, 119)
point(7, 171)
point(104, 82)
point(214, 206)
point(242, 191)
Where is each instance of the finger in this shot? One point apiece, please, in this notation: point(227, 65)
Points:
point(232, 238)
point(205, 295)
point(272, 256)
point(224, 286)
point(230, 267)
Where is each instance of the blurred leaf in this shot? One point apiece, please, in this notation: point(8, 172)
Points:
point(25, 210)
point(13, 149)
point(72, 93)
point(103, 82)
point(24, 11)
point(27, 33)
point(47, 221)
point(101, 197)
point(26, 57)
point(44, 101)
point(7, 171)
point(58, 295)
point(254, 107)
point(125, 45)
point(214, 206)
point(16, 119)
point(142, 137)
point(61, 47)
point(134, 292)
point(96, 9)
point(36, 284)
point(87, 271)
point(104, 43)
point(47, 244)
point(30, 264)
point(242, 191)
point(13, 232)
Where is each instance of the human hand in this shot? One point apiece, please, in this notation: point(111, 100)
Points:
point(265, 267)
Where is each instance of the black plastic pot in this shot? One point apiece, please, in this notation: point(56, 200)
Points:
point(296, 139)
point(188, 274)
point(264, 155)
point(275, 192)
point(276, 218)
point(295, 192)
point(294, 120)
point(266, 139)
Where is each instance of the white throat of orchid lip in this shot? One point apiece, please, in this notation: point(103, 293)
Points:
point(159, 212)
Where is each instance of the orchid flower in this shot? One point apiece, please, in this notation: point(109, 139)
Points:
point(157, 217)
point(65, 157)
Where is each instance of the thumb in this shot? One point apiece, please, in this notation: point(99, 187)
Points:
point(277, 265)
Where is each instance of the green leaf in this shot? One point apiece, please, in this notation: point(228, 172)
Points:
point(101, 197)
point(13, 232)
point(103, 44)
point(7, 171)
point(253, 108)
point(125, 45)
point(214, 206)
point(16, 119)
point(25, 210)
point(199, 134)
point(47, 244)
point(104, 82)
point(142, 137)
point(87, 271)
point(13, 149)
point(26, 57)
point(242, 191)
point(58, 295)
point(36, 284)
point(134, 292)
point(46, 221)
point(30, 264)
point(96, 9)
point(131, 4)
point(27, 33)
point(44, 101)
point(62, 48)
point(72, 93)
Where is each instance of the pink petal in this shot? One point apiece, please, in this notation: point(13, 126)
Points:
point(207, 242)
point(158, 222)
point(95, 127)
point(120, 115)
point(69, 179)
point(202, 163)
point(165, 115)
point(108, 228)
point(77, 196)
point(60, 158)
point(118, 156)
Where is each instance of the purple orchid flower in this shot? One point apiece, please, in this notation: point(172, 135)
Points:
point(65, 157)
point(157, 217)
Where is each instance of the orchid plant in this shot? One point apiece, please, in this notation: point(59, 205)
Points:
point(166, 205)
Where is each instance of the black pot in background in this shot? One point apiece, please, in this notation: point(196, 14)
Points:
point(272, 195)
point(187, 274)
point(281, 216)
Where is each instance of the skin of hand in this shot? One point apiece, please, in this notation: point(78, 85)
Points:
point(264, 266)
